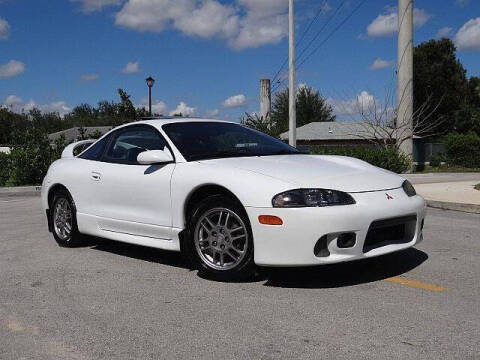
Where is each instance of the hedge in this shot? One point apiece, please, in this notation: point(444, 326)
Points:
point(463, 150)
point(386, 158)
point(4, 168)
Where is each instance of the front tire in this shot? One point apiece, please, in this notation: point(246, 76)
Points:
point(220, 240)
point(63, 220)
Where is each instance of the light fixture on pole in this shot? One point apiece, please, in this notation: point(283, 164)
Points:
point(150, 81)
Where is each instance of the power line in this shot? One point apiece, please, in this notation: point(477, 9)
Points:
point(332, 33)
point(359, 5)
point(279, 83)
point(304, 33)
point(322, 28)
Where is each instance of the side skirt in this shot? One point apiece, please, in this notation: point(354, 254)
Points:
point(89, 225)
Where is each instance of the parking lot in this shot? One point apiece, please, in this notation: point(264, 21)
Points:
point(110, 300)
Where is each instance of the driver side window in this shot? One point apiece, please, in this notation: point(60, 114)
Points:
point(128, 142)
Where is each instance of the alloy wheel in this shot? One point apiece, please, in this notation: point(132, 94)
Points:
point(221, 239)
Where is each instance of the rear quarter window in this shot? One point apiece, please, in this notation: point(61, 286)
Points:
point(95, 151)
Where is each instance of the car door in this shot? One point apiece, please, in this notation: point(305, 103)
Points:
point(133, 198)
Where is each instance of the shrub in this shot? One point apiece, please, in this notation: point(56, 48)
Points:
point(435, 160)
point(29, 162)
point(386, 158)
point(4, 168)
point(463, 150)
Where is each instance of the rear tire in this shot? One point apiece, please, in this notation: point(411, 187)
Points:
point(220, 241)
point(63, 220)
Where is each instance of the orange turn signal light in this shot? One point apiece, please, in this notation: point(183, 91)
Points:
point(270, 220)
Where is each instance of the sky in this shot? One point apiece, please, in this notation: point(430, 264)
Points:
point(208, 56)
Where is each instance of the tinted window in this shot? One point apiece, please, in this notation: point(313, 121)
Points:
point(210, 140)
point(127, 143)
point(95, 151)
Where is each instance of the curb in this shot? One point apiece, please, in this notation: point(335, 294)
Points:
point(445, 205)
point(20, 191)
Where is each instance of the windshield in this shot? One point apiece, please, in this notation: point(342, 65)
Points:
point(213, 140)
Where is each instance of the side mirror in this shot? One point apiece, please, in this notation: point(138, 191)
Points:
point(155, 157)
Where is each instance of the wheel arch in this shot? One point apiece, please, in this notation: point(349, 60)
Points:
point(53, 189)
point(202, 192)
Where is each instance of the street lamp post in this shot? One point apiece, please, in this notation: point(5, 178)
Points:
point(150, 81)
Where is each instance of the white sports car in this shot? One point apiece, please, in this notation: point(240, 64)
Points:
point(229, 197)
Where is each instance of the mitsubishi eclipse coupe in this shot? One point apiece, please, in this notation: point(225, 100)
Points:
point(227, 196)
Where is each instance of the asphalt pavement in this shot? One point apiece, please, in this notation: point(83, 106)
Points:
point(109, 300)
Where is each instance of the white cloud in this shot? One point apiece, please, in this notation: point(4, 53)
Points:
point(12, 68)
point(213, 112)
point(209, 19)
point(4, 29)
point(265, 22)
point(158, 106)
point(88, 77)
point(17, 104)
point(131, 67)
point(56, 106)
point(468, 37)
point(363, 101)
point(251, 23)
point(89, 6)
point(381, 64)
point(234, 101)
point(12, 100)
point(444, 32)
point(183, 109)
point(387, 24)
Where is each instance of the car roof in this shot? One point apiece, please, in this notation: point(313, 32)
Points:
point(159, 121)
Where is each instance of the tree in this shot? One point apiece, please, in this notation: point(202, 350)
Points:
point(260, 123)
point(311, 107)
point(438, 76)
point(125, 108)
point(379, 122)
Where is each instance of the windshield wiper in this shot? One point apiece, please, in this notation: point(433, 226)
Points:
point(286, 152)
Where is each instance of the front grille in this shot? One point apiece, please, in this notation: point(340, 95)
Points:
point(398, 230)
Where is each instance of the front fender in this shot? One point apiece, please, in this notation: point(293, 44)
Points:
point(252, 189)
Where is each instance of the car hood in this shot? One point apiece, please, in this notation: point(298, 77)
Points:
point(316, 171)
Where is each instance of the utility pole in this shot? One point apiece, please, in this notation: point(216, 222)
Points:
point(405, 75)
point(292, 116)
point(265, 98)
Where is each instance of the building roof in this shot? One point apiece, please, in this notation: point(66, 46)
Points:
point(73, 134)
point(335, 131)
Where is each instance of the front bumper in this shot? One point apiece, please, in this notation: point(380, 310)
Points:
point(293, 243)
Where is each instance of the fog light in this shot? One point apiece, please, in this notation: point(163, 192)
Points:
point(270, 220)
point(346, 240)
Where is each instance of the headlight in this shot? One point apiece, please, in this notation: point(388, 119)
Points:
point(408, 188)
point(311, 198)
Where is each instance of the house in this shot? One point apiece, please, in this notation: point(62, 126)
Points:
point(357, 134)
point(77, 133)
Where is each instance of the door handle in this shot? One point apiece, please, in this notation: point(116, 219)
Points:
point(95, 176)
